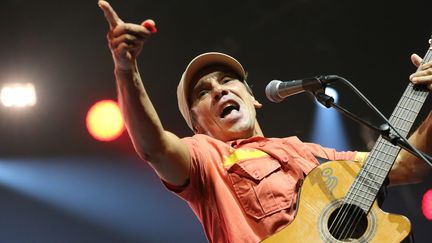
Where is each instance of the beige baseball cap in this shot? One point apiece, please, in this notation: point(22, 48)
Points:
point(198, 63)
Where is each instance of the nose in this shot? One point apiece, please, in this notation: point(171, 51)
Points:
point(219, 91)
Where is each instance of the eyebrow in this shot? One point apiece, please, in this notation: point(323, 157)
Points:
point(197, 87)
point(220, 75)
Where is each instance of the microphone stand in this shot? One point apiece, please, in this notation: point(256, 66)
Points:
point(383, 130)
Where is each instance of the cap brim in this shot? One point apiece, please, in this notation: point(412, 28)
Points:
point(211, 58)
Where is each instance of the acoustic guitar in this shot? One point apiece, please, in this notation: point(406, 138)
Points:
point(337, 200)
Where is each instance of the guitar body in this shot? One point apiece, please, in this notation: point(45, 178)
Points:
point(320, 199)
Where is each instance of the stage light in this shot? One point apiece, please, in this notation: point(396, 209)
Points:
point(332, 93)
point(427, 205)
point(104, 121)
point(18, 95)
point(328, 129)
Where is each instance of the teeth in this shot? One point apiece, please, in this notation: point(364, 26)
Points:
point(230, 104)
point(227, 105)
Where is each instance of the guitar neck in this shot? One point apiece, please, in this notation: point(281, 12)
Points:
point(366, 186)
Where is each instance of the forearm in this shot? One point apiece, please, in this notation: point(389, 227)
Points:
point(166, 152)
point(409, 168)
point(141, 119)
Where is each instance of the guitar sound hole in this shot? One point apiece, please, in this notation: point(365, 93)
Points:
point(347, 222)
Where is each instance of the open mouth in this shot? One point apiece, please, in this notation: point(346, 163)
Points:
point(228, 109)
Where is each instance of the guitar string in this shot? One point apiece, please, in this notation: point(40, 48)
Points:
point(386, 156)
point(341, 210)
point(381, 160)
point(346, 205)
point(354, 190)
point(349, 229)
point(403, 111)
point(399, 123)
point(417, 104)
point(357, 192)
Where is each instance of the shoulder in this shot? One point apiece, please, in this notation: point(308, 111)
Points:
point(203, 147)
point(318, 150)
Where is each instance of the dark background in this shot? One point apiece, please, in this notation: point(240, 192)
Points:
point(57, 184)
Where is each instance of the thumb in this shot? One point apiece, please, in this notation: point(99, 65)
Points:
point(150, 25)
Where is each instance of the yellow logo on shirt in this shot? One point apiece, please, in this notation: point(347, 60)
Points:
point(243, 154)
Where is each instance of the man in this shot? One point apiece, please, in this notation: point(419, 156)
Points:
point(241, 185)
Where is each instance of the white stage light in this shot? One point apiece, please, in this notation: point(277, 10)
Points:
point(330, 92)
point(18, 95)
point(333, 93)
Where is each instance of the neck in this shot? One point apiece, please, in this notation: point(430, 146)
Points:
point(257, 130)
point(247, 134)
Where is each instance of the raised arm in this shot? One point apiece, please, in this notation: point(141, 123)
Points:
point(166, 153)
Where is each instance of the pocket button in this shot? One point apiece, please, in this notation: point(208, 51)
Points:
point(256, 175)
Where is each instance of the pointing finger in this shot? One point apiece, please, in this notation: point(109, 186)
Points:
point(110, 15)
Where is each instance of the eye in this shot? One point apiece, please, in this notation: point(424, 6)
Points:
point(202, 93)
point(226, 80)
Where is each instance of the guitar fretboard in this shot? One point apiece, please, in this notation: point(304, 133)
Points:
point(366, 186)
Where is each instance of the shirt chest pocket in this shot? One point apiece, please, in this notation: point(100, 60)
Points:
point(262, 187)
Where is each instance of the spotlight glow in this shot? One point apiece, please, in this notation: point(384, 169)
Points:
point(18, 95)
point(328, 128)
point(104, 121)
point(330, 92)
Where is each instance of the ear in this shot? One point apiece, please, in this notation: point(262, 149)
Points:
point(256, 103)
point(197, 129)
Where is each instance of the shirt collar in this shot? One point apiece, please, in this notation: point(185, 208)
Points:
point(238, 142)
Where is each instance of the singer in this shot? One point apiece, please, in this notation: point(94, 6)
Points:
point(241, 185)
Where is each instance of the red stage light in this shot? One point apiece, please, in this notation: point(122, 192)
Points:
point(104, 121)
point(427, 205)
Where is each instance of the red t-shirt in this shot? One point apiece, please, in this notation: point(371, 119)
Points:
point(246, 190)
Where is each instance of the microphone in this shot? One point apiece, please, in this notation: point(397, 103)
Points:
point(277, 90)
